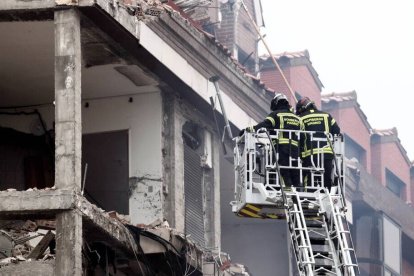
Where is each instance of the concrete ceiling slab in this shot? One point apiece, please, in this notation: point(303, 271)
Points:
point(27, 67)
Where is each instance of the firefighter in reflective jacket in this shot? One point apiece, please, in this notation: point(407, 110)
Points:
point(283, 118)
point(316, 120)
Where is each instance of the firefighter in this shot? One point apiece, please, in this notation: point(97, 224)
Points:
point(283, 118)
point(322, 122)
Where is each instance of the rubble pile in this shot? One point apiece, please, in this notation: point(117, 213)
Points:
point(26, 240)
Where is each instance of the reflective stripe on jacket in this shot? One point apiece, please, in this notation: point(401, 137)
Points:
point(320, 122)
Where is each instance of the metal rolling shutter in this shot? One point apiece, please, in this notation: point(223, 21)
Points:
point(193, 175)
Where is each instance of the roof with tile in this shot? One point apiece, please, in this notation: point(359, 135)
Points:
point(389, 135)
point(177, 13)
point(291, 59)
point(343, 97)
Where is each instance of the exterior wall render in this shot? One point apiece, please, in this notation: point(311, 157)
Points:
point(189, 75)
point(351, 123)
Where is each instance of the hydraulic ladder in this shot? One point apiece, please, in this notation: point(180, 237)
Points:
point(319, 232)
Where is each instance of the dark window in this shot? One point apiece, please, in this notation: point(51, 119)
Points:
point(354, 150)
point(394, 184)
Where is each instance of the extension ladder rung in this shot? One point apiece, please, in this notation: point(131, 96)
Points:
point(299, 229)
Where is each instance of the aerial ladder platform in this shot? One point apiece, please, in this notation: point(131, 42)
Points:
point(319, 232)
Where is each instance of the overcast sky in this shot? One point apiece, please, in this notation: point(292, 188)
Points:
point(365, 45)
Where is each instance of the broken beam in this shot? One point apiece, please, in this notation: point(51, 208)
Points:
point(17, 203)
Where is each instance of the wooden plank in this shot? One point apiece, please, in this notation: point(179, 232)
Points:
point(41, 247)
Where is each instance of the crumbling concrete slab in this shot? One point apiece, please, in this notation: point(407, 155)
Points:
point(17, 203)
point(41, 4)
point(111, 227)
point(44, 268)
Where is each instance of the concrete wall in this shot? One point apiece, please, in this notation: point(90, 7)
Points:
point(176, 113)
point(143, 118)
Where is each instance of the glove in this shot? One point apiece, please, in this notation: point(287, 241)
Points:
point(247, 129)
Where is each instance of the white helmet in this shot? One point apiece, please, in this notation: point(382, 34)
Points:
point(278, 98)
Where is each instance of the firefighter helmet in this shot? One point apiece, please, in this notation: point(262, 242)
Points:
point(304, 104)
point(277, 99)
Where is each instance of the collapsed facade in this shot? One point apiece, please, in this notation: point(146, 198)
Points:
point(109, 146)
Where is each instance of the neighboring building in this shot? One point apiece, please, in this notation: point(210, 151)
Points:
point(298, 71)
point(379, 190)
point(379, 174)
point(237, 32)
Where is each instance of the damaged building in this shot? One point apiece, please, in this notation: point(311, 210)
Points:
point(111, 155)
point(109, 149)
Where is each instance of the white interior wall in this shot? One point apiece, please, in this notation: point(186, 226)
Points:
point(142, 118)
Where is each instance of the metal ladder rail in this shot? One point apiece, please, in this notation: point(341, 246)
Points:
point(333, 252)
point(238, 170)
point(346, 249)
point(338, 231)
point(322, 270)
point(300, 238)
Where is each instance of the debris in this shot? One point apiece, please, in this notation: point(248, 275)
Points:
point(9, 260)
point(21, 250)
point(124, 219)
point(41, 246)
point(155, 223)
point(30, 226)
point(46, 224)
point(48, 257)
point(20, 258)
point(165, 224)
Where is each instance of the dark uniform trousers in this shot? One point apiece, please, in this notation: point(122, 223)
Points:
point(327, 174)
